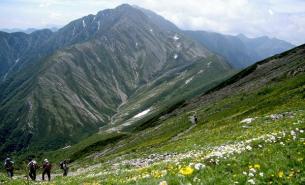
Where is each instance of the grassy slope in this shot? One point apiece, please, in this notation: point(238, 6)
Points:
point(281, 162)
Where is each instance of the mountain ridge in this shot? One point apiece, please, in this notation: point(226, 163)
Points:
point(73, 84)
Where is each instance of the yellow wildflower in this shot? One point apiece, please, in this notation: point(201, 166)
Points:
point(257, 166)
point(186, 170)
point(280, 174)
point(156, 174)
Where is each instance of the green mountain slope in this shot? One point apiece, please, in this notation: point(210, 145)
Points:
point(72, 86)
point(250, 129)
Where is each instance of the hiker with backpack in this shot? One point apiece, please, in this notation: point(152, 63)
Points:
point(9, 166)
point(47, 166)
point(64, 166)
point(32, 166)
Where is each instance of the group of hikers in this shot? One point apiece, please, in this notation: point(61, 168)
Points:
point(32, 168)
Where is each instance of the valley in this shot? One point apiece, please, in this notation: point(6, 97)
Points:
point(114, 93)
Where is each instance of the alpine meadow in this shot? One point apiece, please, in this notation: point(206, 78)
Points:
point(152, 92)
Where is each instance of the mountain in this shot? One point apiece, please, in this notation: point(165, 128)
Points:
point(250, 127)
point(100, 72)
point(240, 50)
point(28, 30)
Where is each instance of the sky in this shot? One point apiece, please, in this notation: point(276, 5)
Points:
point(283, 19)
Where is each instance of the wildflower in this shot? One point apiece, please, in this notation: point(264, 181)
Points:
point(196, 179)
point(280, 174)
point(199, 166)
point(251, 175)
point(257, 166)
point(186, 170)
point(156, 174)
point(163, 183)
point(261, 174)
point(245, 173)
point(252, 170)
point(251, 181)
point(248, 147)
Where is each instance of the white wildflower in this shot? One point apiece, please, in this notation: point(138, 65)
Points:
point(199, 166)
point(248, 147)
point(163, 183)
point(252, 170)
point(251, 181)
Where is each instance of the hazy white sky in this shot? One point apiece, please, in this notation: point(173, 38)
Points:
point(284, 19)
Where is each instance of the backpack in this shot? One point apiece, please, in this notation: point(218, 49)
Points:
point(8, 164)
point(47, 166)
point(33, 165)
point(61, 164)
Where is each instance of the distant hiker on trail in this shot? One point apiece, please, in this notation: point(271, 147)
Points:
point(9, 166)
point(47, 166)
point(32, 166)
point(64, 166)
point(193, 119)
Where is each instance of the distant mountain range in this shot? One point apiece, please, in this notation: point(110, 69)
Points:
point(104, 71)
point(28, 30)
point(240, 50)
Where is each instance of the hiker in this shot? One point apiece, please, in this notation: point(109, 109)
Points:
point(32, 169)
point(9, 166)
point(64, 167)
point(46, 169)
point(195, 119)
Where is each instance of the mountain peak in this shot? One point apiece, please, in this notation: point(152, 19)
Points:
point(124, 6)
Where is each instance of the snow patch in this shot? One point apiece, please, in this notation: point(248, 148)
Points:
point(4, 78)
point(66, 147)
point(248, 120)
point(98, 25)
point(188, 80)
point(142, 113)
point(151, 30)
point(201, 71)
point(73, 33)
point(175, 56)
point(137, 44)
point(16, 61)
point(176, 37)
point(209, 64)
point(84, 24)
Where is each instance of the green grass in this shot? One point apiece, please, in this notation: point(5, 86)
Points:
point(280, 162)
